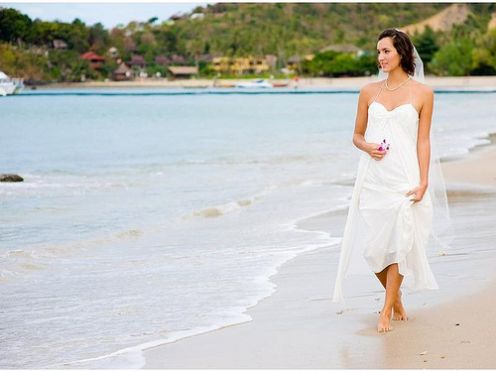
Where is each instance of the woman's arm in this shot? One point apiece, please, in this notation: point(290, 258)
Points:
point(361, 127)
point(423, 139)
point(424, 145)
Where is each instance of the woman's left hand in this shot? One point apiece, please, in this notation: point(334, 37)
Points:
point(417, 192)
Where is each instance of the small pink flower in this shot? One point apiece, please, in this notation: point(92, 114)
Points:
point(384, 146)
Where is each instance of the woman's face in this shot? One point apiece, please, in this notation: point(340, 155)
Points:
point(387, 56)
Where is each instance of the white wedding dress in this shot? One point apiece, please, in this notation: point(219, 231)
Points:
point(383, 225)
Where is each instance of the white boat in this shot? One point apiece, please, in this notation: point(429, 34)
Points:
point(260, 83)
point(9, 86)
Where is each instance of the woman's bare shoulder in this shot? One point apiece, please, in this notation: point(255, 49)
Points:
point(424, 93)
point(422, 88)
point(371, 86)
point(368, 90)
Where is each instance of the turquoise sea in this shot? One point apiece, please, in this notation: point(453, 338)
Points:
point(151, 215)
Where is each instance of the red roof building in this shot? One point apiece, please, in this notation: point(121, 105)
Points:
point(94, 59)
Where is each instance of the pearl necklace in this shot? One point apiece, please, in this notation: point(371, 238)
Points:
point(391, 89)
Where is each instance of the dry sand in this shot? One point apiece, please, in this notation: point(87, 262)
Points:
point(299, 327)
point(463, 82)
point(479, 167)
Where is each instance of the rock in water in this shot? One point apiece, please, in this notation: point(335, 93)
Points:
point(10, 178)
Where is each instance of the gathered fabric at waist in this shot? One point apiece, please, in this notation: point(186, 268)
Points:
point(390, 171)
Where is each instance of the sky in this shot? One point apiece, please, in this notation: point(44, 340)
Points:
point(109, 14)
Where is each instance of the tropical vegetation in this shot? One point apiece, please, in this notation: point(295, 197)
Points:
point(310, 34)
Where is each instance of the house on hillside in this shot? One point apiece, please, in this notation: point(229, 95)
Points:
point(113, 52)
point(271, 60)
point(205, 58)
point(129, 44)
point(96, 61)
point(176, 17)
point(162, 60)
point(59, 44)
point(221, 64)
point(177, 59)
point(183, 72)
point(137, 61)
point(123, 72)
point(293, 63)
point(243, 65)
point(197, 16)
point(259, 65)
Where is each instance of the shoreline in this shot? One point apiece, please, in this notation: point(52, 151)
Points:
point(296, 326)
point(464, 170)
point(462, 82)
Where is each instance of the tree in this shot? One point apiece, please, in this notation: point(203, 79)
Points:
point(453, 59)
point(98, 38)
point(14, 25)
point(332, 63)
point(66, 65)
point(484, 56)
point(426, 44)
point(152, 20)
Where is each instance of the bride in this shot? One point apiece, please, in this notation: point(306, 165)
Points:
point(394, 199)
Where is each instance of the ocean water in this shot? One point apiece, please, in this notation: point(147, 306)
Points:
point(148, 216)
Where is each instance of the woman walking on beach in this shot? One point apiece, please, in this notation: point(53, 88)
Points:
point(390, 218)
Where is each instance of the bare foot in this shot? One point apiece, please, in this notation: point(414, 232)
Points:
point(384, 323)
point(399, 310)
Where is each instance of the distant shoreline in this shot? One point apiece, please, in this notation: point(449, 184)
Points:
point(343, 82)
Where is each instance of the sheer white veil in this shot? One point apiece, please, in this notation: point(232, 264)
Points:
point(418, 74)
point(442, 230)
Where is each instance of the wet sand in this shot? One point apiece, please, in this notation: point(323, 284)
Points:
point(299, 327)
point(477, 168)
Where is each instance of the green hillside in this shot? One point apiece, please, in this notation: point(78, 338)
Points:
point(296, 28)
point(50, 51)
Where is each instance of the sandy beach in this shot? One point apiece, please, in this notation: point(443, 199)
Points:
point(299, 327)
point(477, 168)
point(463, 82)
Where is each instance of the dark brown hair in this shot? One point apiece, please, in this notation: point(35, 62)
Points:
point(403, 45)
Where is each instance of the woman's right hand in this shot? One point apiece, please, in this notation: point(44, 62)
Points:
point(372, 150)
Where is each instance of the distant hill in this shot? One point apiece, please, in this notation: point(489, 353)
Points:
point(294, 28)
point(442, 21)
point(492, 22)
point(453, 39)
